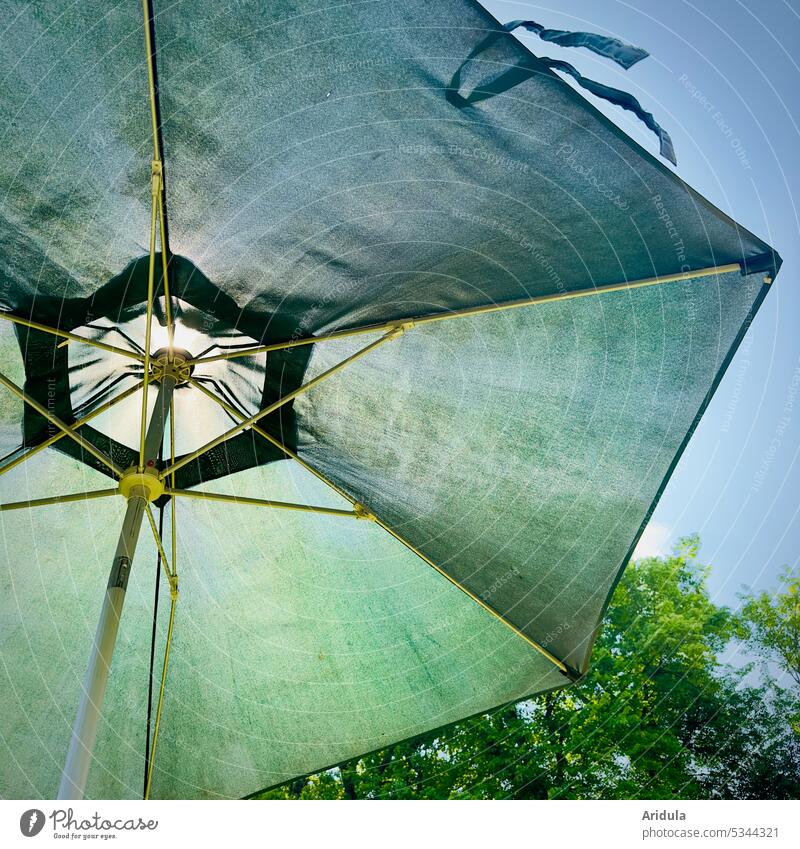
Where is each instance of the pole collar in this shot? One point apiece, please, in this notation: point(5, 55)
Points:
point(147, 484)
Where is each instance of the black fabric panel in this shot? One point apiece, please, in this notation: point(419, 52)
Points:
point(120, 299)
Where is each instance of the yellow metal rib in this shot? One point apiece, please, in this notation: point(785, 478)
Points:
point(61, 434)
point(540, 648)
point(148, 329)
point(172, 578)
point(58, 499)
point(261, 502)
point(470, 311)
point(151, 78)
point(62, 426)
point(161, 690)
point(158, 164)
point(172, 525)
point(249, 422)
point(236, 413)
point(157, 223)
point(64, 334)
point(164, 264)
point(158, 211)
point(368, 514)
point(162, 555)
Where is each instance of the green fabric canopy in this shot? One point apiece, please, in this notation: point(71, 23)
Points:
point(327, 170)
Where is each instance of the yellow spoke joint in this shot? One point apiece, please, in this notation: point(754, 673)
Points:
point(157, 174)
point(400, 329)
point(362, 513)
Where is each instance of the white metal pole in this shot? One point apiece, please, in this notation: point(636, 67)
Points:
point(84, 729)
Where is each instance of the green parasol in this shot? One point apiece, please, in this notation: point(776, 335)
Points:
point(389, 342)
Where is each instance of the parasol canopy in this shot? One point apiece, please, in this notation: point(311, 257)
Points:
point(389, 341)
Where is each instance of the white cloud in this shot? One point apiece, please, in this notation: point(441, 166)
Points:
point(654, 542)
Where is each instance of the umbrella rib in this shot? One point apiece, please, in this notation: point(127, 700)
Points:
point(62, 426)
point(249, 422)
point(164, 262)
point(569, 671)
point(170, 573)
point(157, 222)
point(61, 434)
point(365, 513)
point(480, 310)
point(261, 502)
point(58, 499)
point(156, 179)
point(172, 526)
point(172, 578)
point(158, 199)
point(73, 337)
point(237, 414)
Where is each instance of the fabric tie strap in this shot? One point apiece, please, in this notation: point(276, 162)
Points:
point(612, 48)
point(618, 98)
point(623, 54)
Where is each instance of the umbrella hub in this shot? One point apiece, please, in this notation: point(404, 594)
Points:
point(175, 363)
point(146, 484)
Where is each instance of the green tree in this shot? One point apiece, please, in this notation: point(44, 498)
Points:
point(772, 621)
point(658, 716)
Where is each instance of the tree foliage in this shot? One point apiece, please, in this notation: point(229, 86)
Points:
point(659, 716)
point(773, 623)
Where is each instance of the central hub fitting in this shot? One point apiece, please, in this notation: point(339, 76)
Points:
point(146, 484)
point(174, 363)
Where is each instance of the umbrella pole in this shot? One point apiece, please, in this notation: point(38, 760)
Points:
point(84, 730)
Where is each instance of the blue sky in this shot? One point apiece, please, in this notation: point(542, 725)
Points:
point(724, 79)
